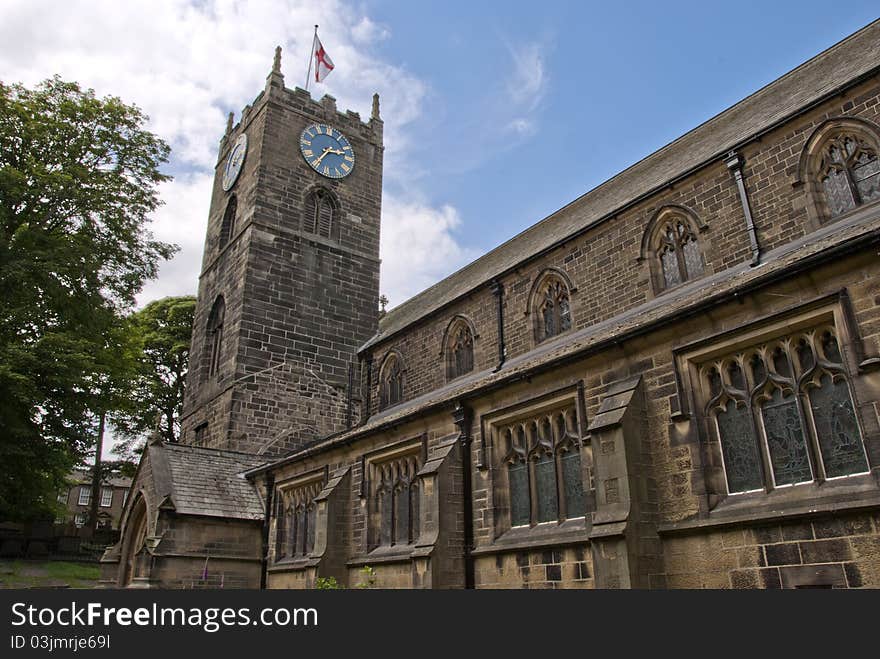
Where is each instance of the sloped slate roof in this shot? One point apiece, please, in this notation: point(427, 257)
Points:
point(848, 60)
point(208, 482)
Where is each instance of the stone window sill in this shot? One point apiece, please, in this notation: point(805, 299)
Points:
point(547, 534)
point(288, 564)
point(392, 554)
point(845, 494)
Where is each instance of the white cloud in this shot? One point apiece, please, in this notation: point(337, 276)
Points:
point(528, 81)
point(418, 247)
point(187, 64)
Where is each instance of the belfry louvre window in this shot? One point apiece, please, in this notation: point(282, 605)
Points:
point(553, 308)
point(295, 512)
point(784, 413)
point(541, 460)
point(320, 212)
point(849, 172)
point(394, 502)
point(227, 227)
point(215, 335)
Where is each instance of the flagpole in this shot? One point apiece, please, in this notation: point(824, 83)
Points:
point(311, 56)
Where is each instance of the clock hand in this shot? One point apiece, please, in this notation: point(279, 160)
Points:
point(321, 157)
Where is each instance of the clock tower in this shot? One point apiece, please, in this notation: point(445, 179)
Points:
point(289, 283)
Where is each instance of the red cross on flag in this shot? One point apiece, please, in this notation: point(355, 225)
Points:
point(323, 63)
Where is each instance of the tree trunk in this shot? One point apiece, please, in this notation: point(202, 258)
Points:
point(96, 476)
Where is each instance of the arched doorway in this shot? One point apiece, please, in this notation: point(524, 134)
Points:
point(135, 533)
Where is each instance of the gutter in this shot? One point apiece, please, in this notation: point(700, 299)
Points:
point(734, 163)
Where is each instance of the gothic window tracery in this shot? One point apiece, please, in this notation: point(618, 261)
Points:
point(394, 502)
point(296, 516)
point(552, 307)
point(849, 172)
point(459, 349)
point(542, 460)
point(391, 382)
point(784, 413)
point(678, 251)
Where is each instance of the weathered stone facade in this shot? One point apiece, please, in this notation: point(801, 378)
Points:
point(672, 382)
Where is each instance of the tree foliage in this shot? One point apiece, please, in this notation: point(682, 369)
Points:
point(78, 180)
point(162, 332)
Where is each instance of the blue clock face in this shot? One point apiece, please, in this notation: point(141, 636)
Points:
point(327, 151)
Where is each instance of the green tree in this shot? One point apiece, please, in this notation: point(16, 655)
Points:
point(78, 180)
point(162, 332)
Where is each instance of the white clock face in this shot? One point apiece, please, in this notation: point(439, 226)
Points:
point(234, 162)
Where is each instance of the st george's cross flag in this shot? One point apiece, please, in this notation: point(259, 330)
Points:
point(323, 63)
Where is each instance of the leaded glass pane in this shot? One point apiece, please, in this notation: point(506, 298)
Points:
point(785, 439)
point(692, 261)
point(385, 517)
point(401, 516)
point(518, 479)
point(545, 488)
point(737, 378)
point(831, 349)
point(414, 513)
point(301, 522)
point(564, 314)
point(805, 356)
point(573, 485)
point(549, 321)
point(837, 428)
point(671, 275)
point(280, 533)
point(739, 448)
point(837, 193)
point(310, 532)
point(759, 371)
point(866, 174)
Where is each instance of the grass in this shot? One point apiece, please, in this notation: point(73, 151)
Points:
point(48, 574)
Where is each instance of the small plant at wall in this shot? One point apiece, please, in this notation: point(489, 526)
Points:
point(368, 577)
point(327, 583)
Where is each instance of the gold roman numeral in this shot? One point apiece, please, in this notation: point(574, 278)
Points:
point(345, 168)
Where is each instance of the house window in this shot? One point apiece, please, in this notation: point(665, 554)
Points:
point(391, 382)
point(85, 496)
point(296, 517)
point(542, 461)
point(394, 502)
point(848, 172)
point(783, 412)
point(63, 496)
point(79, 520)
point(215, 335)
point(459, 349)
point(321, 211)
point(106, 497)
point(227, 227)
point(551, 304)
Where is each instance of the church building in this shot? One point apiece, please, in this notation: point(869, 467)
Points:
point(671, 382)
